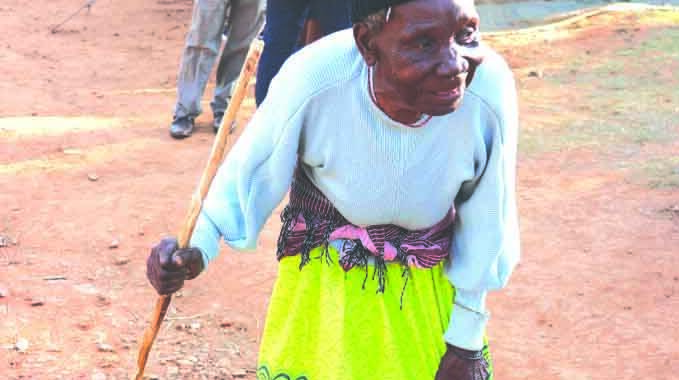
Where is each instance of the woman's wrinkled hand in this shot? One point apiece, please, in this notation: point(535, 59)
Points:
point(461, 364)
point(167, 267)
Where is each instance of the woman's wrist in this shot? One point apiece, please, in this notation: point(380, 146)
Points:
point(465, 354)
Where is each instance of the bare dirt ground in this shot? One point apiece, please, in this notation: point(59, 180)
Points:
point(91, 180)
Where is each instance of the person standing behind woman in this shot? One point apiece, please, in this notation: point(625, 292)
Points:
point(244, 19)
point(284, 22)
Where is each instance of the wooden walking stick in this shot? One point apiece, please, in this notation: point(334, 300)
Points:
point(219, 149)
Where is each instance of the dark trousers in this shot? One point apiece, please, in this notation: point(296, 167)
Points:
point(284, 21)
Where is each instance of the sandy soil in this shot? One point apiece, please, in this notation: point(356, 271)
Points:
point(91, 179)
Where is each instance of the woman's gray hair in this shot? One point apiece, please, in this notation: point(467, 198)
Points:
point(375, 21)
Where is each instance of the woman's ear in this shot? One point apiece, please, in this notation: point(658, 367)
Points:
point(475, 57)
point(365, 40)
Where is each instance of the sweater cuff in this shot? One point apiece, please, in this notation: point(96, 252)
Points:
point(468, 320)
point(205, 237)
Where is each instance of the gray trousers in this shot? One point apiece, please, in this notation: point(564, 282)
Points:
point(245, 18)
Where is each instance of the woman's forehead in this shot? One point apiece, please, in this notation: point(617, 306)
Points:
point(433, 11)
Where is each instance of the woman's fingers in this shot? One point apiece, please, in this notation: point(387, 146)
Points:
point(165, 250)
point(172, 286)
point(167, 282)
point(190, 260)
point(167, 267)
point(162, 270)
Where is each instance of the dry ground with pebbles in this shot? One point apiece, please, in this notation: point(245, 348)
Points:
point(90, 180)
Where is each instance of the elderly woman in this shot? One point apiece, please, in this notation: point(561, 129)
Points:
point(399, 154)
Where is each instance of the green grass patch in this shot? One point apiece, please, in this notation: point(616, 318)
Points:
point(656, 17)
point(658, 173)
point(663, 40)
point(611, 99)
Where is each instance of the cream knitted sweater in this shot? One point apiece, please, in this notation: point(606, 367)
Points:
point(374, 170)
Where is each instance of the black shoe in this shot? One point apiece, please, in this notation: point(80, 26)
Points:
point(218, 122)
point(182, 127)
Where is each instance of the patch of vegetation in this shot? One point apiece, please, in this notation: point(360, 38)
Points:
point(610, 99)
point(659, 17)
point(658, 40)
point(658, 173)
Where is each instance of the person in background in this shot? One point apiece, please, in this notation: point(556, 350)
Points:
point(243, 19)
point(285, 21)
point(396, 140)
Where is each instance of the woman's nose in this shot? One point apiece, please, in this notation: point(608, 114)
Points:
point(452, 62)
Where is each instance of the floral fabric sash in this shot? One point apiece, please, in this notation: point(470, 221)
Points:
point(310, 221)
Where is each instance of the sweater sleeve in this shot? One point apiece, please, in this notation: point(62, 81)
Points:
point(256, 174)
point(485, 247)
point(253, 179)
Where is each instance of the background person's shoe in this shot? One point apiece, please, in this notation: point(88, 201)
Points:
point(218, 122)
point(182, 127)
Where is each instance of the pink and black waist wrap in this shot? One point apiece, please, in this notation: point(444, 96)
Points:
point(311, 221)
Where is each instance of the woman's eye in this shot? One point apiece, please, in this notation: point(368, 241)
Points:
point(425, 43)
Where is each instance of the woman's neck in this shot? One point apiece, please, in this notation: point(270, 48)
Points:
point(399, 114)
point(387, 99)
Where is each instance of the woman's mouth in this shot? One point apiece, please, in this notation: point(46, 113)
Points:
point(448, 95)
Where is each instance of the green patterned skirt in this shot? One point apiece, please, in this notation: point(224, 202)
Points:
point(322, 323)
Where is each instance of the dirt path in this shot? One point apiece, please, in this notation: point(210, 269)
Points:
point(90, 180)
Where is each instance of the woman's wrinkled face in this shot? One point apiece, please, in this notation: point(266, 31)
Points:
point(424, 52)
